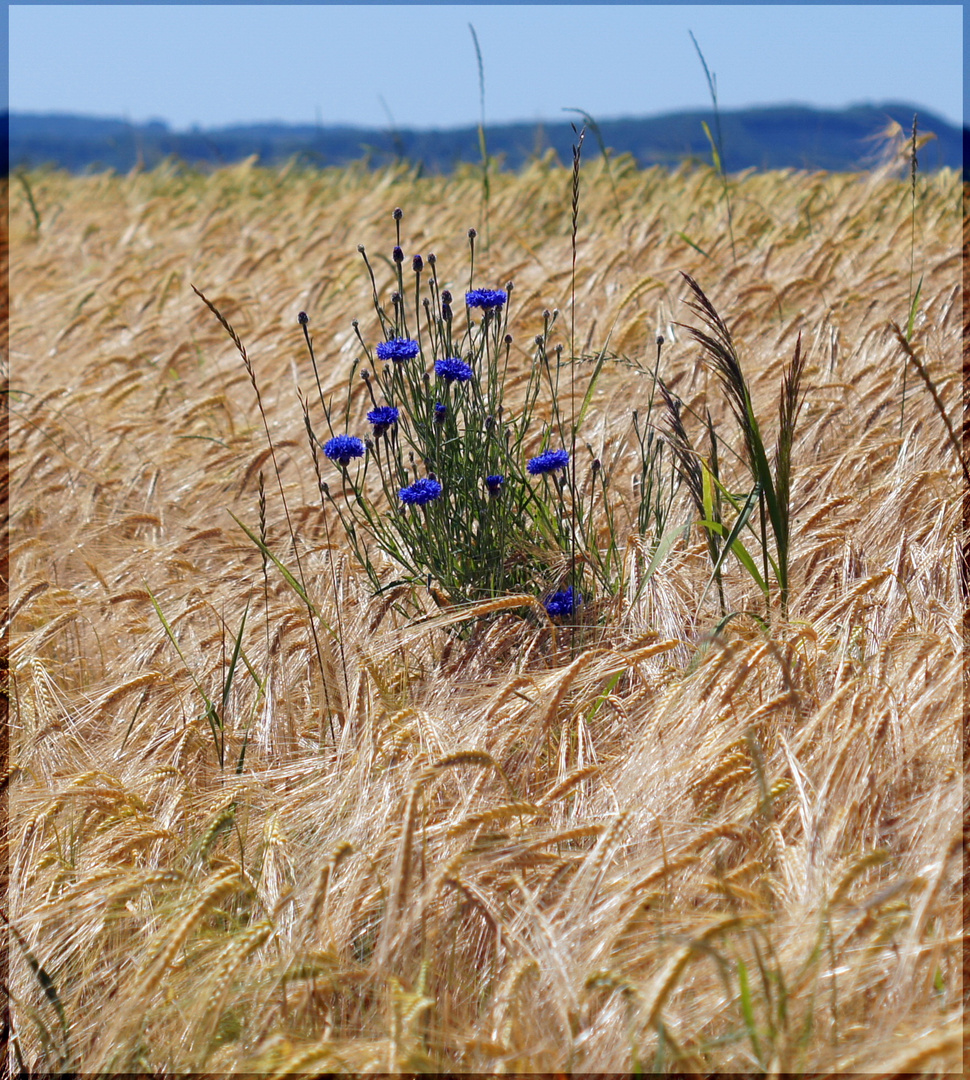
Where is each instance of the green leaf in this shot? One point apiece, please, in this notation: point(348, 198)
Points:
point(600, 359)
point(912, 310)
point(747, 1010)
point(235, 656)
point(734, 544)
point(288, 577)
point(667, 541)
point(710, 138)
point(687, 240)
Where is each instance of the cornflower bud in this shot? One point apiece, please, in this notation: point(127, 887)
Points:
point(303, 318)
point(398, 254)
point(398, 213)
point(417, 264)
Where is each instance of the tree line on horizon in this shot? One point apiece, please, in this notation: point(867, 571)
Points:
point(784, 136)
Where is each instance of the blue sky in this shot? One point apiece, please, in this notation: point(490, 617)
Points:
point(363, 63)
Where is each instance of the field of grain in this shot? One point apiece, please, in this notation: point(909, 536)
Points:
point(638, 847)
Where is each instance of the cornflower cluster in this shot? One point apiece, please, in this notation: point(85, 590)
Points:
point(461, 491)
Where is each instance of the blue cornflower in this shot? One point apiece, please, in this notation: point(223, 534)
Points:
point(548, 461)
point(440, 412)
point(495, 483)
point(397, 349)
point(562, 603)
point(486, 298)
point(421, 491)
point(452, 368)
point(341, 448)
point(383, 417)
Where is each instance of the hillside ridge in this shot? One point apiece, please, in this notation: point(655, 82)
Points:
point(770, 137)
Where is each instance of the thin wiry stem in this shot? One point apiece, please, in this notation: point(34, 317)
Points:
point(577, 155)
point(241, 349)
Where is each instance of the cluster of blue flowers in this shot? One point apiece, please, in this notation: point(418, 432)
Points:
point(398, 350)
point(387, 421)
point(341, 448)
point(451, 369)
point(486, 299)
point(383, 417)
point(548, 461)
point(421, 492)
point(563, 602)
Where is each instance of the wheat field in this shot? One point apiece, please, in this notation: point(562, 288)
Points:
point(648, 848)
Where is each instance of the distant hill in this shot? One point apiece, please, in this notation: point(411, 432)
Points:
point(784, 136)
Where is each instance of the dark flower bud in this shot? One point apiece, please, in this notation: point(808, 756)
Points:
point(546, 314)
point(432, 258)
point(360, 248)
point(365, 375)
point(395, 298)
point(472, 233)
point(325, 488)
point(489, 423)
point(398, 213)
point(303, 318)
point(538, 339)
point(354, 323)
point(426, 377)
point(427, 304)
point(508, 286)
point(398, 254)
point(508, 339)
point(597, 465)
point(417, 264)
point(369, 443)
point(446, 296)
point(660, 339)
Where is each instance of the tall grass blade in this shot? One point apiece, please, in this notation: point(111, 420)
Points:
point(483, 149)
point(717, 148)
point(589, 122)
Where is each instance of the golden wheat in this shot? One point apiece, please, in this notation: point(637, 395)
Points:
point(525, 852)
